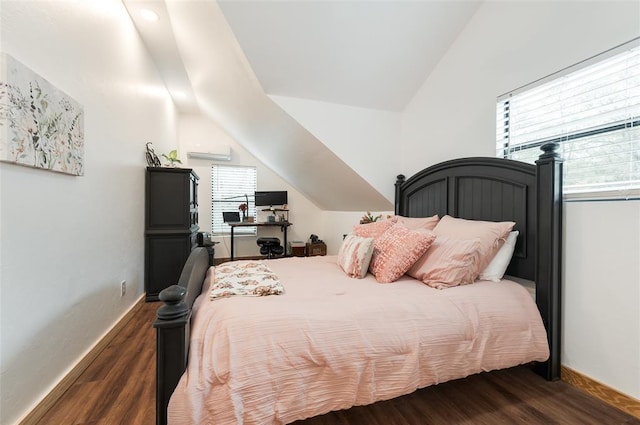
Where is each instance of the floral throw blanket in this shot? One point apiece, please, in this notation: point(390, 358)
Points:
point(252, 278)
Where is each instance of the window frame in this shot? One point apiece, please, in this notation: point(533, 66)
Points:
point(229, 199)
point(626, 129)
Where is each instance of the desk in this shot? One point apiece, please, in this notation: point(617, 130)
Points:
point(282, 224)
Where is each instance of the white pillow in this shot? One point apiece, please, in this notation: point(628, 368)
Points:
point(498, 265)
point(354, 255)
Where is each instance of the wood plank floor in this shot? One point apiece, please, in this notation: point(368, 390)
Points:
point(118, 388)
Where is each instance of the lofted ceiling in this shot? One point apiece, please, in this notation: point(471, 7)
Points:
point(223, 59)
point(372, 54)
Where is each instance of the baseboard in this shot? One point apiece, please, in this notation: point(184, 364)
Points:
point(65, 383)
point(601, 391)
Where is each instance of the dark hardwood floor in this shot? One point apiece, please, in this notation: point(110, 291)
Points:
point(118, 388)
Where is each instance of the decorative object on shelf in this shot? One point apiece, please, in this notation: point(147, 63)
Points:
point(243, 208)
point(369, 218)
point(172, 158)
point(315, 246)
point(40, 125)
point(152, 158)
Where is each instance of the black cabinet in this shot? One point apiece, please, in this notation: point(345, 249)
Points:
point(171, 225)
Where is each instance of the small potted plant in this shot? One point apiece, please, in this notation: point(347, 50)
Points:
point(369, 218)
point(172, 158)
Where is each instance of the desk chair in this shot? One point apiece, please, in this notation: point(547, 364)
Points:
point(270, 247)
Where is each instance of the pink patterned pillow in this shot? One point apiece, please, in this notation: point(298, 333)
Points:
point(375, 229)
point(491, 235)
point(395, 251)
point(354, 255)
point(449, 262)
point(416, 223)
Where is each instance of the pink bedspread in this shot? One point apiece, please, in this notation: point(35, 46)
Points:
point(332, 342)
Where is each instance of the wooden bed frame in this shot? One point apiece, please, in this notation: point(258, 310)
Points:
point(489, 189)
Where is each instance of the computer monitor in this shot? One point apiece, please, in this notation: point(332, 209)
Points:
point(230, 216)
point(271, 198)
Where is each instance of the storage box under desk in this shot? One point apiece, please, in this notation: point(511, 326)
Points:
point(316, 249)
point(298, 251)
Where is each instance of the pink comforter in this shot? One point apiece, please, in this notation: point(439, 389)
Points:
point(332, 342)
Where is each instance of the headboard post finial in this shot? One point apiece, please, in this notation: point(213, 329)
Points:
point(550, 150)
point(398, 204)
point(174, 306)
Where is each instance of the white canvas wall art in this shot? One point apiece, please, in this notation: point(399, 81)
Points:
point(40, 125)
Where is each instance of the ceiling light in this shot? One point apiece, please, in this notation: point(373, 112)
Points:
point(149, 15)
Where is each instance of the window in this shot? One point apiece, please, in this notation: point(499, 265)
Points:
point(592, 110)
point(230, 187)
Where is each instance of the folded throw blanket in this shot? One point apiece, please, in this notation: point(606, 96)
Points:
point(252, 278)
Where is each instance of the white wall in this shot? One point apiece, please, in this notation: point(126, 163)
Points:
point(507, 45)
point(67, 241)
point(365, 139)
point(601, 326)
point(200, 134)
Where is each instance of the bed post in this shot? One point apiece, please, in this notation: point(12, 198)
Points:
point(173, 324)
point(172, 340)
point(398, 203)
point(549, 253)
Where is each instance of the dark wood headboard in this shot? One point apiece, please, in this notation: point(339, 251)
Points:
point(488, 189)
point(494, 189)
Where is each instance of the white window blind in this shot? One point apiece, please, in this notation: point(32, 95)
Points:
point(229, 185)
point(593, 111)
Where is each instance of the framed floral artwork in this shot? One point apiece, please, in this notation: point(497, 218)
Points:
point(40, 125)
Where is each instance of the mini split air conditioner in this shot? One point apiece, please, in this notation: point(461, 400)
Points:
point(217, 156)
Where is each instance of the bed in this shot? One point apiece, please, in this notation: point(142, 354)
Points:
point(488, 189)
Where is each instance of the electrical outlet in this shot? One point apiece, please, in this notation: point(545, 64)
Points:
point(123, 288)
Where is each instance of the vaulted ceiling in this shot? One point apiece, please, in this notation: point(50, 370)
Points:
point(224, 59)
point(372, 54)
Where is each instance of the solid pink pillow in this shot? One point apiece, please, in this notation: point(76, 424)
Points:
point(373, 230)
point(354, 255)
point(395, 251)
point(449, 262)
point(490, 233)
point(415, 223)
